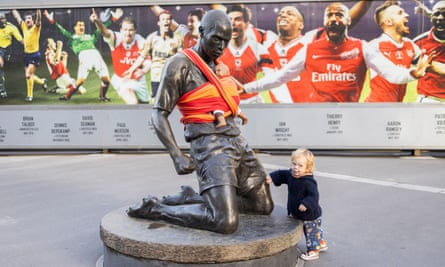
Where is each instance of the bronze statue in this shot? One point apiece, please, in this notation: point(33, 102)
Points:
point(231, 178)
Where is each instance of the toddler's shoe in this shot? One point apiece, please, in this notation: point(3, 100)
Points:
point(310, 255)
point(323, 245)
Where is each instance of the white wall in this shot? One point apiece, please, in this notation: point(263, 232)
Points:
point(317, 126)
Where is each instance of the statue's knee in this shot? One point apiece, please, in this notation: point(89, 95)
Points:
point(227, 224)
point(263, 201)
point(268, 207)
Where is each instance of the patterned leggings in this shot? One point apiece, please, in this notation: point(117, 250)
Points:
point(313, 234)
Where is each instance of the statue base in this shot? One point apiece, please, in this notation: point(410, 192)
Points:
point(259, 241)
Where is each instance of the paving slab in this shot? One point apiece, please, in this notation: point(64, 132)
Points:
point(377, 211)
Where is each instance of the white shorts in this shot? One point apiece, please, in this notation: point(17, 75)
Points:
point(91, 59)
point(64, 81)
point(139, 87)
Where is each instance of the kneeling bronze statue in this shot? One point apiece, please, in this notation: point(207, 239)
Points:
point(231, 179)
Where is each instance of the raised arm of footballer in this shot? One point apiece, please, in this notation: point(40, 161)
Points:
point(358, 10)
point(421, 8)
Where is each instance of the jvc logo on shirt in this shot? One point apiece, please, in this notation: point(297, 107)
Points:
point(128, 59)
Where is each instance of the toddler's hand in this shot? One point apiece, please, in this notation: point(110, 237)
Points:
point(302, 208)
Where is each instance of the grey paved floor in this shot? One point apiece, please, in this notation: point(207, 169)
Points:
point(378, 211)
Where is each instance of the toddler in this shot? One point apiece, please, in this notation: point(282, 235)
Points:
point(303, 197)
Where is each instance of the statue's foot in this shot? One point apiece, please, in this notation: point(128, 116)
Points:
point(186, 196)
point(149, 208)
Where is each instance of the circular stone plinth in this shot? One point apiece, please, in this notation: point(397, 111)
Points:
point(257, 237)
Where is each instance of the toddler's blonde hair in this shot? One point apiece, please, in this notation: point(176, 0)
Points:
point(305, 153)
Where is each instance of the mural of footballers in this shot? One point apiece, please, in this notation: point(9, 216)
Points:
point(338, 63)
point(83, 45)
point(125, 46)
point(274, 31)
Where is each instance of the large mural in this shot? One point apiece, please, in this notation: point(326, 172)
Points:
point(114, 55)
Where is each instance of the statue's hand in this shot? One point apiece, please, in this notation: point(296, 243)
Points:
point(184, 165)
